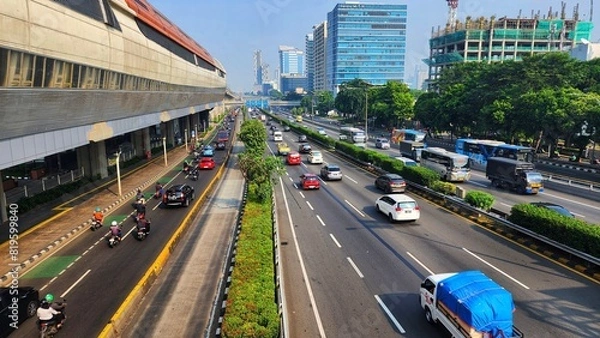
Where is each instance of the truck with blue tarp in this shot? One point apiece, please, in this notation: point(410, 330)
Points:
point(469, 305)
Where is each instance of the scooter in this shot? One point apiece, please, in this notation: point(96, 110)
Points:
point(113, 241)
point(194, 174)
point(50, 328)
point(142, 232)
point(95, 225)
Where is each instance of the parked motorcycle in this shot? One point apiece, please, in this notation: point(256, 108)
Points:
point(95, 225)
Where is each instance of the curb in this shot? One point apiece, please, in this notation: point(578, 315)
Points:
point(568, 166)
point(17, 267)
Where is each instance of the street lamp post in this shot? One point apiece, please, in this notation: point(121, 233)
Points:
point(366, 115)
point(118, 154)
point(185, 138)
point(165, 149)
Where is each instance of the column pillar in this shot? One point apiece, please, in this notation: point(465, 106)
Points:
point(3, 205)
point(170, 132)
point(83, 159)
point(137, 139)
point(98, 159)
point(146, 139)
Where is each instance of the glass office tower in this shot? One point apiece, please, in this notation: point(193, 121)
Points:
point(365, 41)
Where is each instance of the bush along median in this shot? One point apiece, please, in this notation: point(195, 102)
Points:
point(252, 309)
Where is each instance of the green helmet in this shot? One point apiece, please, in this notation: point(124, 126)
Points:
point(49, 298)
point(97, 208)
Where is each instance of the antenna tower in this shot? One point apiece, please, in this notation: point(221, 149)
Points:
point(452, 5)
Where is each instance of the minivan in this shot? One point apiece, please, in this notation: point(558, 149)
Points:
point(277, 136)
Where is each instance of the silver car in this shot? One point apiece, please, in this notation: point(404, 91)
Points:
point(331, 172)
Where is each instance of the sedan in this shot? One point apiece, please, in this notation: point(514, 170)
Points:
point(180, 194)
point(28, 301)
point(206, 163)
point(286, 128)
point(302, 138)
point(398, 207)
point(208, 151)
point(391, 183)
point(310, 181)
point(293, 158)
point(331, 172)
point(315, 157)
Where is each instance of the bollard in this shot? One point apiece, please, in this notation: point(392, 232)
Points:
point(58, 179)
point(72, 176)
point(44, 184)
point(25, 190)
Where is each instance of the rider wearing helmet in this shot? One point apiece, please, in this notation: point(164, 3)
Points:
point(58, 306)
point(98, 215)
point(115, 230)
point(140, 196)
point(46, 313)
point(144, 223)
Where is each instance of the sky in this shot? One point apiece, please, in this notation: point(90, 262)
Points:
point(231, 30)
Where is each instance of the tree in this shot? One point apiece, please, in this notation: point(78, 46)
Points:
point(254, 136)
point(325, 102)
point(351, 99)
point(275, 94)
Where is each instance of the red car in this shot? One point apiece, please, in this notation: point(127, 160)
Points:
point(206, 163)
point(294, 158)
point(310, 181)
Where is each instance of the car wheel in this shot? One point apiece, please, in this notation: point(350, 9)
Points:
point(428, 316)
point(391, 217)
point(187, 202)
point(32, 308)
point(388, 190)
point(377, 207)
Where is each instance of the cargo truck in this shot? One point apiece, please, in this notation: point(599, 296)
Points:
point(412, 149)
point(510, 173)
point(469, 305)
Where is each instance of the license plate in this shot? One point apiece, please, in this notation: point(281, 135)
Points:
point(407, 211)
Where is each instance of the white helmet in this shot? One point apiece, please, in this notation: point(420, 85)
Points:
point(114, 223)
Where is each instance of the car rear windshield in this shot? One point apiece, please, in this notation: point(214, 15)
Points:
point(334, 169)
point(407, 205)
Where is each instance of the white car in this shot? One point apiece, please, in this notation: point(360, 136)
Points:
point(382, 143)
point(398, 207)
point(321, 131)
point(407, 161)
point(315, 157)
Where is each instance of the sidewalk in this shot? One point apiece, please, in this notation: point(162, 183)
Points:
point(43, 229)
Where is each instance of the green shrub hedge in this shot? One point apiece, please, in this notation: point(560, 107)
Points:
point(445, 188)
point(251, 305)
point(28, 203)
point(572, 232)
point(480, 199)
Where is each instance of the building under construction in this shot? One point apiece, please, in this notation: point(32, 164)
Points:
point(492, 39)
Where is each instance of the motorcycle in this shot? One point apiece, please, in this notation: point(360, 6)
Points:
point(113, 241)
point(50, 328)
point(95, 225)
point(142, 232)
point(194, 174)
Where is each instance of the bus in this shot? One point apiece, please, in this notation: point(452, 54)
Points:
point(399, 135)
point(353, 135)
point(299, 118)
point(477, 150)
point(451, 166)
point(519, 153)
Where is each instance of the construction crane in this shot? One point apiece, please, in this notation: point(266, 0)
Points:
point(452, 5)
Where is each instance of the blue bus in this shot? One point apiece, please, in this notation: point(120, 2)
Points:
point(477, 150)
point(407, 135)
point(519, 153)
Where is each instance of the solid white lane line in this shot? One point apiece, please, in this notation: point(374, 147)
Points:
point(335, 241)
point(495, 268)
point(320, 220)
point(421, 264)
point(310, 206)
point(353, 207)
point(355, 267)
point(390, 315)
point(351, 179)
point(311, 296)
point(75, 284)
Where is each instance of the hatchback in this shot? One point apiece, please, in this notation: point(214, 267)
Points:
point(390, 183)
point(398, 207)
point(293, 158)
point(302, 138)
point(304, 148)
point(310, 181)
point(331, 172)
point(206, 163)
point(382, 143)
point(315, 157)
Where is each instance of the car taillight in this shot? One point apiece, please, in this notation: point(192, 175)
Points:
point(398, 209)
point(417, 208)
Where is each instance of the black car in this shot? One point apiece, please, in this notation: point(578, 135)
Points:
point(28, 302)
point(287, 128)
point(180, 194)
point(554, 207)
point(391, 183)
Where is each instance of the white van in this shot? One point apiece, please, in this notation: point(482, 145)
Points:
point(407, 161)
point(277, 136)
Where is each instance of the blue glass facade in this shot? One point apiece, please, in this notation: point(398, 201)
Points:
point(366, 41)
point(291, 60)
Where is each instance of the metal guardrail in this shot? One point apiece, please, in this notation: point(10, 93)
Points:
point(279, 282)
point(29, 188)
point(592, 186)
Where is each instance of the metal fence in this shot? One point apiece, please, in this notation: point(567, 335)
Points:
point(29, 187)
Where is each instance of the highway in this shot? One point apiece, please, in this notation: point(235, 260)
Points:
point(364, 273)
point(580, 201)
point(96, 279)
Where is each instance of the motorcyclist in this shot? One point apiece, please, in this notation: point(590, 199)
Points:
point(58, 306)
point(98, 216)
point(144, 223)
point(139, 196)
point(158, 188)
point(186, 167)
point(46, 313)
point(115, 230)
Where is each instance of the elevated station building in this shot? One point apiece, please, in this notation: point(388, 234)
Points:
point(80, 78)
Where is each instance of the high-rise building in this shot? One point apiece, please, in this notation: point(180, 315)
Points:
point(365, 41)
point(320, 56)
point(491, 39)
point(258, 71)
point(291, 60)
point(310, 62)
